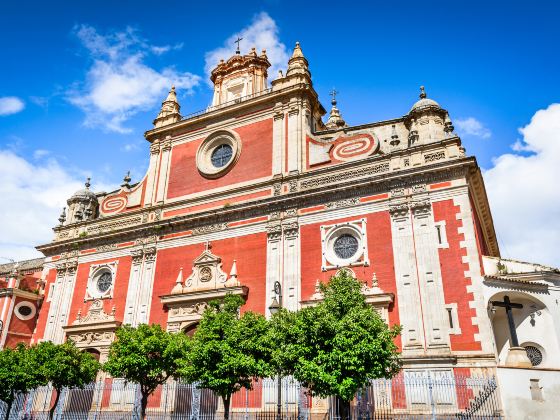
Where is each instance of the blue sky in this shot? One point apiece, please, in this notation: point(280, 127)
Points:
point(81, 82)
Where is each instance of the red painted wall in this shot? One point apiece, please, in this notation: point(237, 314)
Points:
point(255, 161)
point(380, 246)
point(249, 251)
point(454, 281)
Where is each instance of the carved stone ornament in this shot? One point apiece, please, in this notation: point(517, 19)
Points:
point(420, 207)
point(96, 329)
point(274, 231)
point(95, 314)
point(187, 301)
point(398, 210)
point(209, 228)
point(348, 202)
point(207, 272)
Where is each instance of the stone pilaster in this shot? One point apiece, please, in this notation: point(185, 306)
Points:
point(292, 262)
point(274, 252)
point(429, 275)
point(61, 301)
point(406, 278)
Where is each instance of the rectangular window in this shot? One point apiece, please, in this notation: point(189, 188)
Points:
point(453, 318)
point(450, 316)
point(441, 234)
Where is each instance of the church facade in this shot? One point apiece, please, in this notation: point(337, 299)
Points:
point(258, 196)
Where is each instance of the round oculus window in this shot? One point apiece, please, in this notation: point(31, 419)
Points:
point(221, 155)
point(25, 310)
point(218, 153)
point(104, 282)
point(345, 246)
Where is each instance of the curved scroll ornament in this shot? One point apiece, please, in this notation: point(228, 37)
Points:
point(354, 147)
point(113, 204)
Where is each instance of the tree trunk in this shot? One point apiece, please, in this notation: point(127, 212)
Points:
point(143, 405)
point(9, 407)
point(53, 408)
point(343, 408)
point(226, 400)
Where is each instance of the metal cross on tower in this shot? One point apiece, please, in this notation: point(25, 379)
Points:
point(508, 305)
point(333, 93)
point(237, 41)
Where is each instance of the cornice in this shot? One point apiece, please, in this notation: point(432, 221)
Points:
point(19, 293)
point(362, 177)
point(514, 284)
point(482, 207)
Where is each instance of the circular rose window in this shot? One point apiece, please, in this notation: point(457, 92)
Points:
point(218, 153)
point(104, 282)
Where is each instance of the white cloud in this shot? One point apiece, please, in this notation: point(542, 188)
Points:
point(119, 83)
point(10, 105)
point(262, 33)
point(524, 193)
point(32, 198)
point(472, 127)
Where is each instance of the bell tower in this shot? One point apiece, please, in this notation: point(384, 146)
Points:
point(240, 76)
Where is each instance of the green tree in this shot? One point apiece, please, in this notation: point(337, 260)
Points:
point(337, 346)
point(146, 355)
point(63, 365)
point(227, 351)
point(17, 373)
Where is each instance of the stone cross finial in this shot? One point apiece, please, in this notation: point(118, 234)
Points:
point(237, 41)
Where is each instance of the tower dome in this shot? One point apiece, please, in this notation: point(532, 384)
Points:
point(424, 102)
point(83, 205)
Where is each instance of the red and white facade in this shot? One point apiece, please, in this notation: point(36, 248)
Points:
point(408, 201)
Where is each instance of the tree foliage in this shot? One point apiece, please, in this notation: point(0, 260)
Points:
point(146, 355)
point(337, 346)
point(227, 351)
point(18, 373)
point(63, 365)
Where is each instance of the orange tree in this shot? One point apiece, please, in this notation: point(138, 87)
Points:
point(336, 347)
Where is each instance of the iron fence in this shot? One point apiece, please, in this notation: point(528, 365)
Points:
point(407, 396)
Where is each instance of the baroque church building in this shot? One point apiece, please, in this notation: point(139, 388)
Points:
point(258, 191)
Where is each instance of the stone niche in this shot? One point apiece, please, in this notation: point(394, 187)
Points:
point(189, 297)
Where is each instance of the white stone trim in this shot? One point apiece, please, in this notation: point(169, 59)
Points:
point(485, 333)
point(95, 271)
point(207, 147)
point(329, 234)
